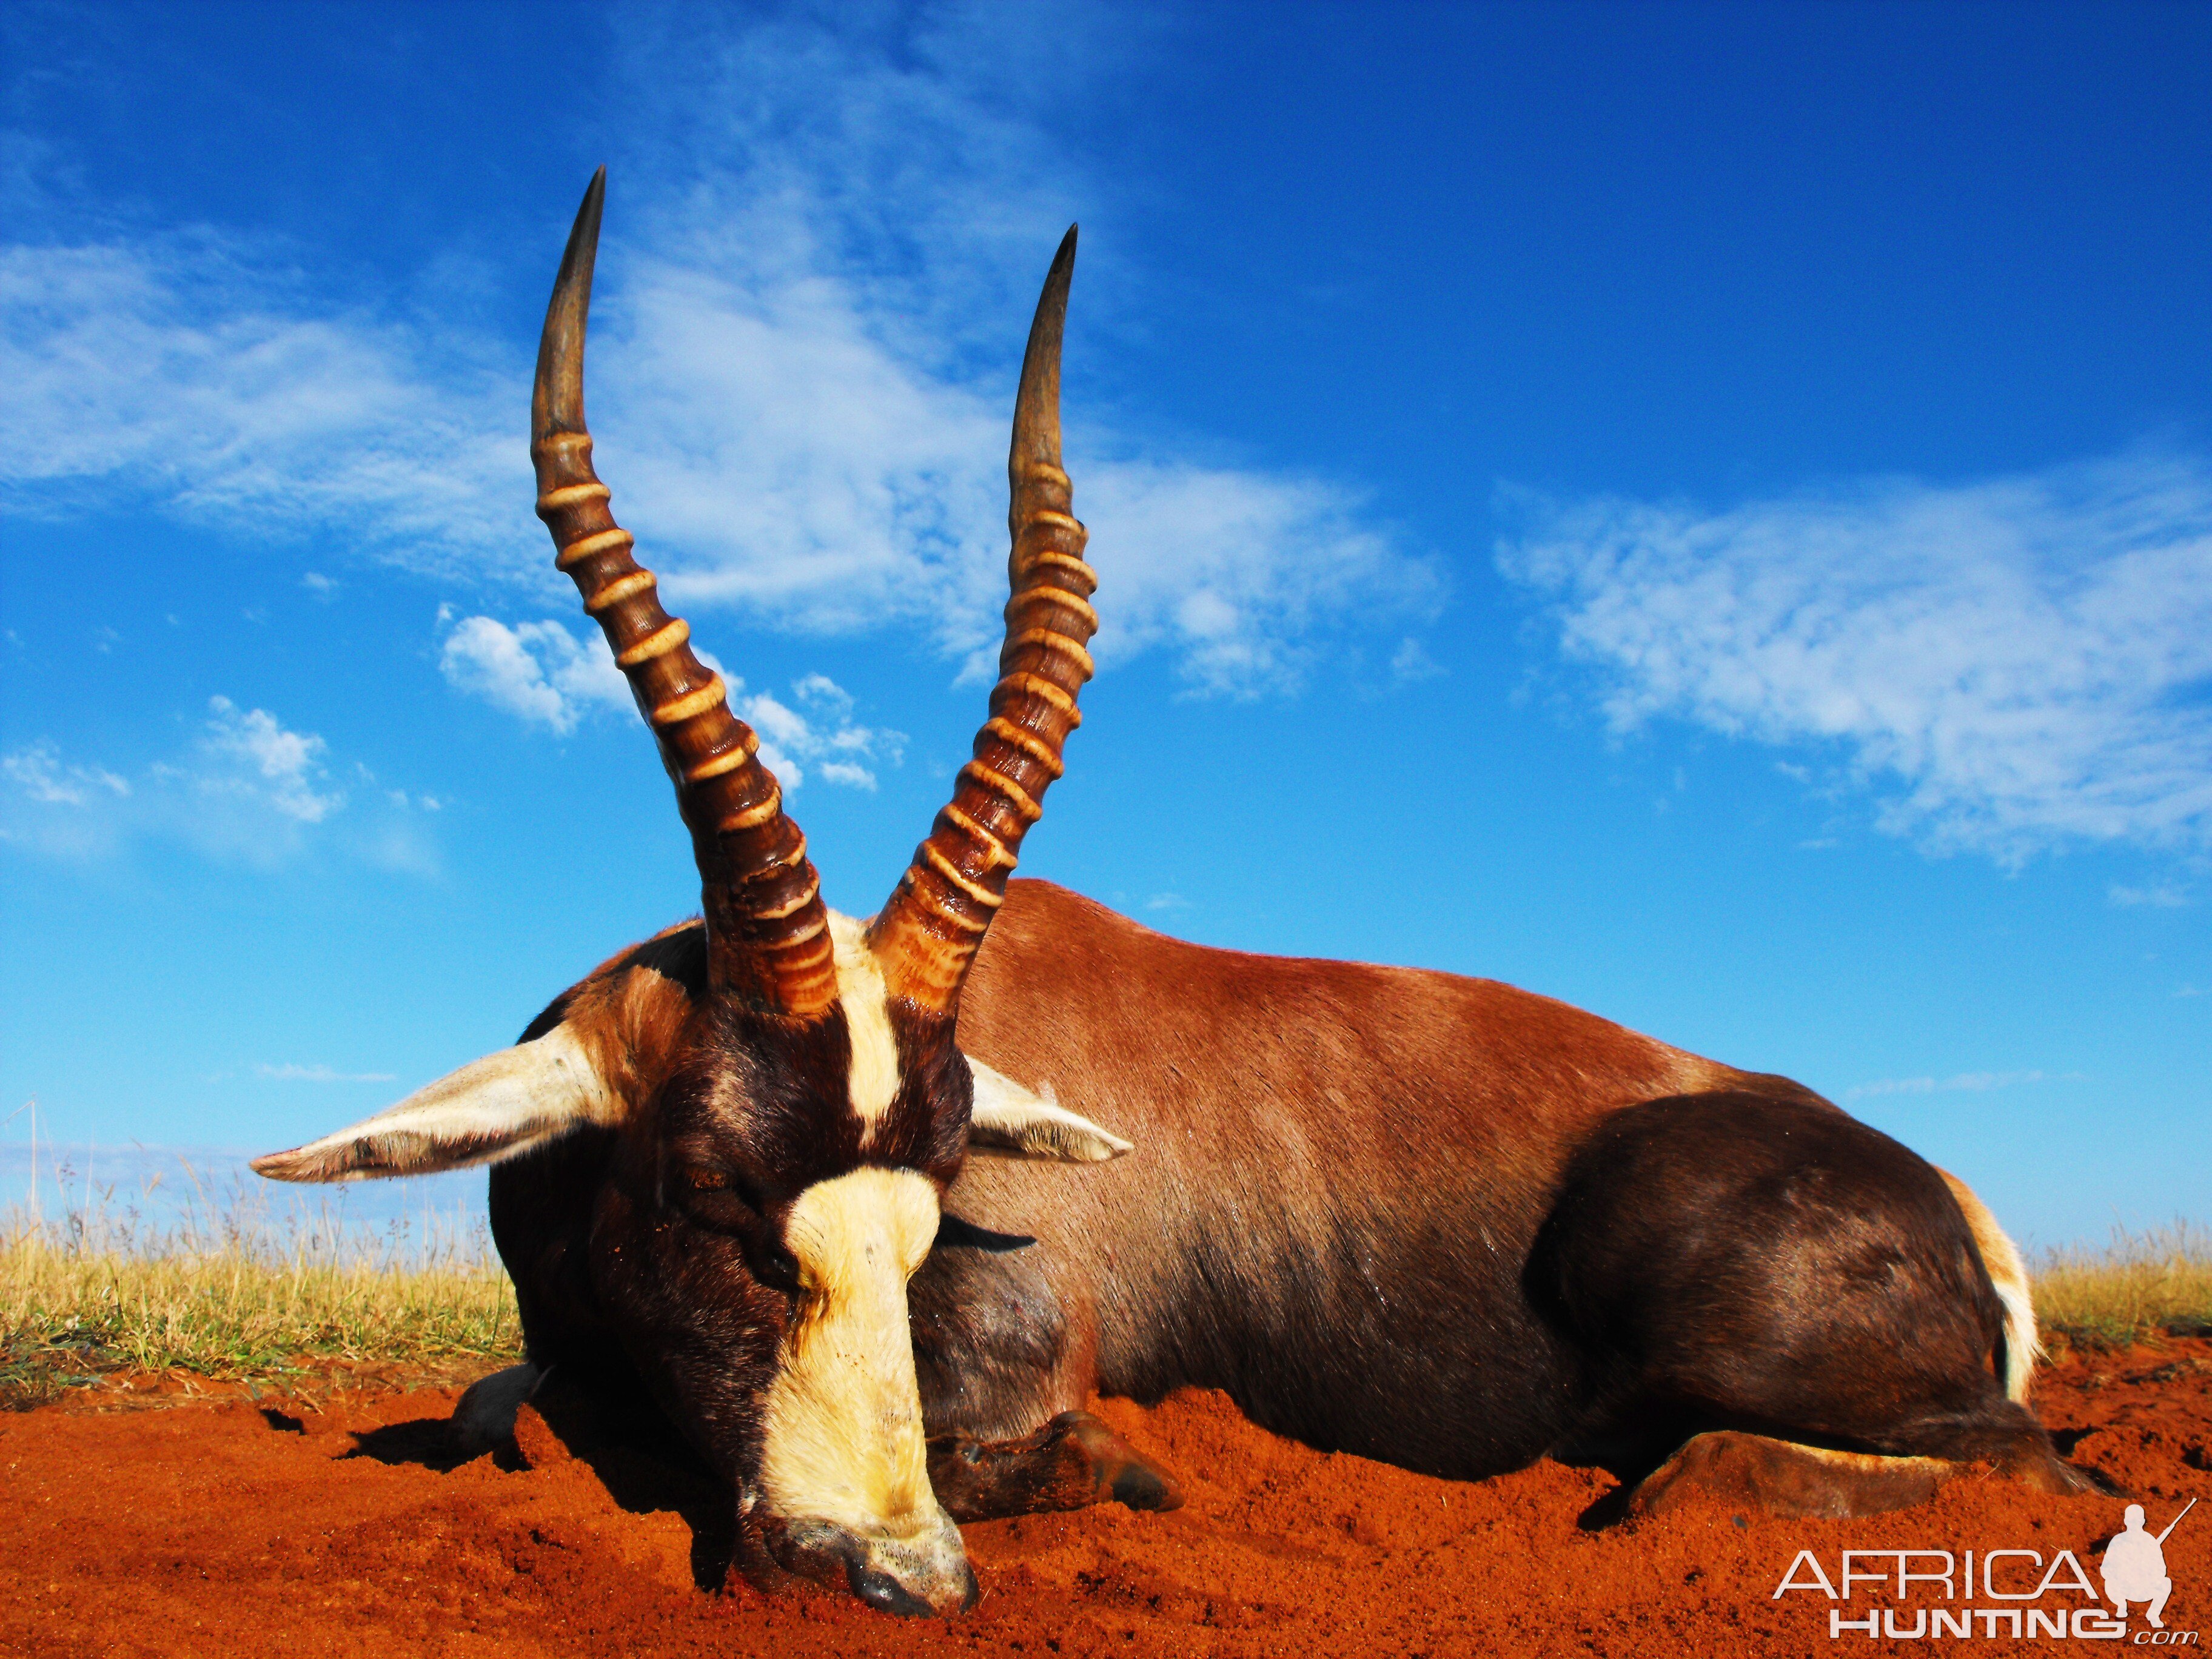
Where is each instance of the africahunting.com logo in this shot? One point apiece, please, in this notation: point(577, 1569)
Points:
point(2010, 1595)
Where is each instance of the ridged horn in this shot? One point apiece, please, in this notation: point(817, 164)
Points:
point(768, 931)
point(927, 935)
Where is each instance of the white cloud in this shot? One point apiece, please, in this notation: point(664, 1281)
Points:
point(291, 1074)
point(542, 673)
point(286, 762)
point(246, 790)
point(2013, 665)
point(1964, 1083)
point(1411, 663)
point(538, 671)
point(188, 370)
point(818, 732)
point(2163, 895)
point(812, 300)
point(792, 463)
point(38, 772)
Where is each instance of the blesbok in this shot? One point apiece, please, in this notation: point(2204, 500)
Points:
point(1434, 1220)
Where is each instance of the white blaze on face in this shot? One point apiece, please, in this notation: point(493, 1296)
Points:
point(843, 1440)
point(865, 998)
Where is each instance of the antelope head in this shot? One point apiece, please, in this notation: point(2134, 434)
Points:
point(780, 1123)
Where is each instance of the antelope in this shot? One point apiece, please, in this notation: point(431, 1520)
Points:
point(794, 1182)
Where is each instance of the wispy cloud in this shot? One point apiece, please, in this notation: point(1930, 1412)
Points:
point(1964, 1083)
point(816, 728)
point(547, 675)
point(291, 1074)
point(248, 790)
point(257, 758)
point(812, 298)
point(38, 772)
point(190, 371)
point(2160, 896)
point(2012, 665)
point(1411, 663)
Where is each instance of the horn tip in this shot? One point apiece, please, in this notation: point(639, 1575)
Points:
point(595, 197)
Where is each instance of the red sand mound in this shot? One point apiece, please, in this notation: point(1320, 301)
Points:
point(326, 1526)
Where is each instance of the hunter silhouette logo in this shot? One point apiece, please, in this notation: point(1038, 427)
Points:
point(2135, 1566)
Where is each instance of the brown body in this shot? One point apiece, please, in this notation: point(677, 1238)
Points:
point(1430, 1220)
point(1340, 1169)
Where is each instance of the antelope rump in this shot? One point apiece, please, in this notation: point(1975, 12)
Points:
point(797, 1183)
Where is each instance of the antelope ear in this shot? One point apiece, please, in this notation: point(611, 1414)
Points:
point(1011, 1122)
point(491, 1109)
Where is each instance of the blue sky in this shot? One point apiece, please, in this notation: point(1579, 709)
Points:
point(1704, 512)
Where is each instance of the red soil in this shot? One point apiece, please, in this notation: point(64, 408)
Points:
point(324, 1525)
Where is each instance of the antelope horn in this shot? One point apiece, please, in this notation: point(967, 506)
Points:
point(928, 933)
point(768, 931)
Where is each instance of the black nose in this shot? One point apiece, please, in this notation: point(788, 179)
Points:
point(886, 1594)
point(925, 1575)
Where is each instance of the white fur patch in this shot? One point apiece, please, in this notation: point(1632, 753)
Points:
point(491, 1109)
point(865, 998)
point(843, 1440)
point(2009, 1277)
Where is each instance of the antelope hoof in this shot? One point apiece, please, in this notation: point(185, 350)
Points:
point(1071, 1462)
point(484, 1418)
point(1783, 1478)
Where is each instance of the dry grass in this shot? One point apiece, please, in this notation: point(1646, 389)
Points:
point(234, 1290)
point(2139, 1286)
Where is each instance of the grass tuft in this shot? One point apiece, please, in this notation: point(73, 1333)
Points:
point(2137, 1288)
point(234, 1291)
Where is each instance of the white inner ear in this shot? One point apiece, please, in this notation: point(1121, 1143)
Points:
point(491, 1109)
point(1012, 1122)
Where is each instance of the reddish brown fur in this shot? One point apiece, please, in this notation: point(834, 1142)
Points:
point(1131, 1023)
point(1273, 1101)
point(636, 1021)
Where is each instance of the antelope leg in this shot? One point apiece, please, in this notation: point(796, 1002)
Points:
point(1071, 1462)
point(1783, 1478)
